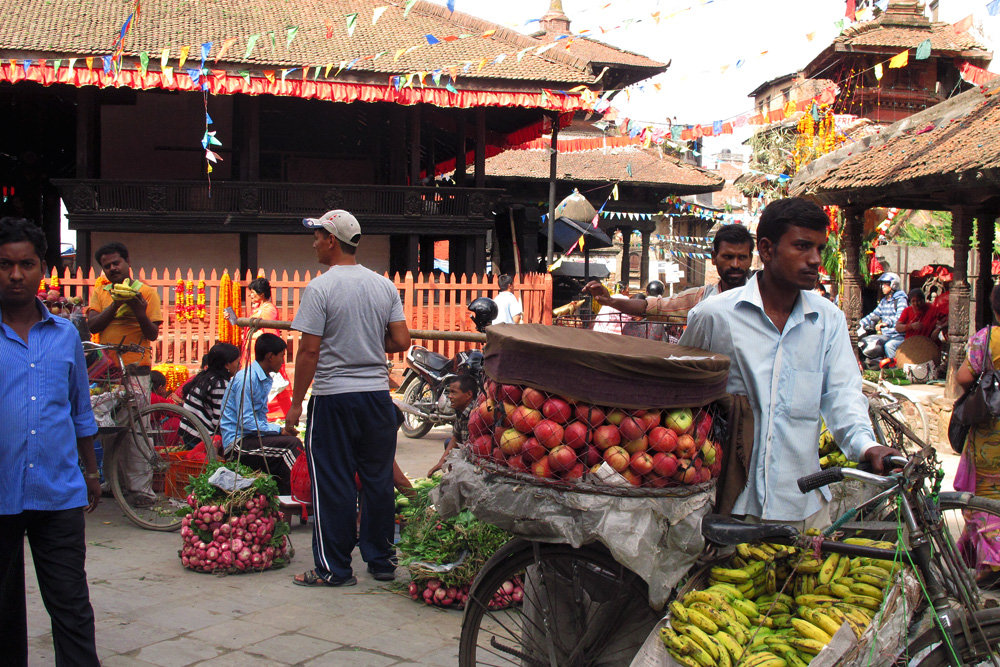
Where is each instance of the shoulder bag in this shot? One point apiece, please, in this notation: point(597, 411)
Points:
point(981, 403)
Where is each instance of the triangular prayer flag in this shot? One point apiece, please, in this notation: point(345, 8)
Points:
point(398, 54)
point(291, 32)
point(225, 47)
point(183, 57)
point(305, 72)
point(377, 14)
point(614, 192)
point(993, 8)
point(900, 60)
point(195, 75)
point(251, 41)
point(409, 6)
point(206, 48)
point(451, 5)
point(269, 75)
point(924, 50)
point(143, 62)
point(352, 64)
point(482, 63)
point(963, 25)
point(106, 59)
point(245, 74)
point(56, 64)
point(436, 77)
point(352, 20)
point(168, 75)
point(329, 29)
point(343, 64)
point(379, 55)
point(431, 39)
point(810, 36)
point(520, 54)
point(72, 64)
point(326, 72)
point(164, 58)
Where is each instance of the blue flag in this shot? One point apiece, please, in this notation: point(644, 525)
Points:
point(451, 5)
point(993, 8)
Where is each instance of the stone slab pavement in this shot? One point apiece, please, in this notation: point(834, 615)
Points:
point(150, 611)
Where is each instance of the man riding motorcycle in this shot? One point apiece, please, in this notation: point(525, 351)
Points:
point(883, 319)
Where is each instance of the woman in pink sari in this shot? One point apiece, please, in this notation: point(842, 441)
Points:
point(259, 292)
point(980, 540)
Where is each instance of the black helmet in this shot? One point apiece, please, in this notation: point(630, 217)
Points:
point(484, 310)
point(655, 288)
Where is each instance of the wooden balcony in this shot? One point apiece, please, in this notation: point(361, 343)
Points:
point(240, 207)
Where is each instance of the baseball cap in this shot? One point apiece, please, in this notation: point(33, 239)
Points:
point(340, 223)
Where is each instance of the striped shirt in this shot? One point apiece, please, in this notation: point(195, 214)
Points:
point(206, 406)
point(887, 312)
point(792, 378)
point(45, 408)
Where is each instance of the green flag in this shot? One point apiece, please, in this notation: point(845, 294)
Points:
point(924, 50)
point(250, 44)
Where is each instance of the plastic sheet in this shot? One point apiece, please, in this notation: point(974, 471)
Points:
point(657, 538)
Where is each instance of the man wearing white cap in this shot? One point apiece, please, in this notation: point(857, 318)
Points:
point(350, 318)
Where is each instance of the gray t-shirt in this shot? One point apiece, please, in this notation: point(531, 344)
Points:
point(350, 307)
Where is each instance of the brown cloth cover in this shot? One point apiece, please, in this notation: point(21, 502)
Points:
point(735, 452)
point(605, 369)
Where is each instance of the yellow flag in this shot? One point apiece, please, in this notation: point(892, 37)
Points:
point(614, 192)
point(878, 72)
point(900, 60)
point(183, 57)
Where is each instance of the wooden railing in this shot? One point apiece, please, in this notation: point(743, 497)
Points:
point(427, 304)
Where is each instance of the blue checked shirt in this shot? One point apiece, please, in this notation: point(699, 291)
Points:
point(792, 378)
point(245, 411)
point(888, 311)
point(45, 407)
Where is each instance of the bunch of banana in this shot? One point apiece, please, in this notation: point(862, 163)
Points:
point(830, 455)
point(711, 628)
point(125, 290)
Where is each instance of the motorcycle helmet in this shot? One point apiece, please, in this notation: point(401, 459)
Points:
point(484, 310)
point(655, 288)
point(890, 278)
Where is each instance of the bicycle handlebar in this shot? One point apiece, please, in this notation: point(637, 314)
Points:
point(130, 347)
point(862, 473)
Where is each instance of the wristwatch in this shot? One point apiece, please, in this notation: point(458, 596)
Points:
point(91, 475)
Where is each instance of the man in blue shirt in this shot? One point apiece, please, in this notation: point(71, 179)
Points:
point(46, 430)
point(246, 434)
point(886, 314)
point(790, 355)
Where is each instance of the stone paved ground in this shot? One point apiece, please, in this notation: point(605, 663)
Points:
point(150, 611)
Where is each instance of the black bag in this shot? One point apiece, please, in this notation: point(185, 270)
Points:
point(981, 403)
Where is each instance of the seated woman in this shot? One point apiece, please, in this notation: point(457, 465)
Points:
point(203, 393)
point(168, 422)
point(247, 436)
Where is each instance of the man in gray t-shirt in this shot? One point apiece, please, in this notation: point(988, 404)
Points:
point(350, 318)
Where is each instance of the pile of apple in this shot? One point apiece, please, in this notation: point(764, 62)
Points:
point(552, 437)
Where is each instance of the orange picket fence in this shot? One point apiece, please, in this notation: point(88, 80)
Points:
point(428, 303)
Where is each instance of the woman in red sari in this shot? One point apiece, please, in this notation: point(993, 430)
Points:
point(261, 306)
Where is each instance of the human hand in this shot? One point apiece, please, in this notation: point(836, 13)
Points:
point(292, 419)
point(598, 292)
point(93, 493)
point(874, 455)
point(437, 466)
point(138, 304)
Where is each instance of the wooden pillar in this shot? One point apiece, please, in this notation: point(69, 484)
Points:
point(553, 176)
point(397, 137)
point(248, 253)
point(480, 147)
point(624, 267)
point(478, 255)
point(426, 263)
point(414, 145)
point(854, 219)
point(958, 315)
point(644, 261)
point(986, 233)
point(461, 255)
point(246, 137)
point(83, 251)
point(88, 132)
point(461, 143)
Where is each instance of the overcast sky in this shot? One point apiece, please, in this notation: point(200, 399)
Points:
point(701, 41)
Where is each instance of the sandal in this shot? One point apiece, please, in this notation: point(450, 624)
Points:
point(310, 578)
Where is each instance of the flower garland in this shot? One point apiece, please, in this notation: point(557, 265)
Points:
point(202, 312)
point(176, 374)
point(189, 309)
point(225, 299)
point(180, 310)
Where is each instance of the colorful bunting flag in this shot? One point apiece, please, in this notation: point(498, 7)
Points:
point(993, 8)
point(206, 48)
point(251, 41)
point(878, 72)
point(377, 14)
point(168, 74)
point(900, 60)
point(924, 50)
point(164, 58)
point(143, 62)
point(329, 29)
point(106, 60)
point(352, 20)
point(408, 7)
point(183, 57)
point(291, 32)
point(269, 75)
point(963, 25)
point(451, 5)
point(225, 47)
point(431, 40)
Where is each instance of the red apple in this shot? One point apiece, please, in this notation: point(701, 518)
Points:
point(633, 446)
point(686, 473)
point(591, 415)
point(477, 426)
point(541, 468)
point(532, 450)
point(679, 420)
point(686, 447)
point(562, 458)
point(525, 419)
point(617, 458)
point(498, 456)
point(662, 439)
point(511, 442)
point(706, 474)
point(616, 416)
point(658, 482)
point(576, 434)
point(632, 428)
point(633, 479)
point(491, 389)
point(532, 398)
point(665, 465)
point(52, 295)
point(592, 456)
point(485, 410)
point(557, 410)
point(481, 446)
point(549, 433)
point(575, 473)
point(703, 428)
point(510, 393)
point(641, 463)
point(507, 411)
point(652, 418)
point(517, 463)
point(607, 436)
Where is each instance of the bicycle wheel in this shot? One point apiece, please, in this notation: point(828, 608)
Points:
point(147, 473)
point(413, 426)
point(579, 608)
point(974, 524)
point(985, 644)
point(913, 415)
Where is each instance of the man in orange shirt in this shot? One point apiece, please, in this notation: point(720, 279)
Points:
point(136, 321)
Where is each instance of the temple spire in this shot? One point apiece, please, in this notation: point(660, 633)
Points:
point(555, 21)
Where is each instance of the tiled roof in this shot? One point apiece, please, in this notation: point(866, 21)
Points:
point(89, 27)
point(884, 32)
point(599, 52)
point(647, 165)
point(945, 148)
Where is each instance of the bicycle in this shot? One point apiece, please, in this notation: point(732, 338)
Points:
point(882, 400)
point(144, 464)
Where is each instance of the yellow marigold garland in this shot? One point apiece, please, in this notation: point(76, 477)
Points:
point(179, 308)
point(202, 313)
point(225, 299)
point(189, 309)
point(176, 374)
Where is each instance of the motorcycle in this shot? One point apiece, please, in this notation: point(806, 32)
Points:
point(871, 348)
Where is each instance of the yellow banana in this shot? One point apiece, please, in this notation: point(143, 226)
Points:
point(843, 581)
point(711, 599)
point(711, 613)
point(823, 589)
point(815, 600)
point(758, 553)
point(781, 620)
point(871, 571)
point(828, 567)
point(733, 646)
point(870, 591)
point(859, 541)
point(744, 551)
point(724, 659)
point(861, 614)
point(702, 621)
point(808, 566)
point(810, 646)
point(838, 615)
point(810, 631)
point(840, 590)
point(771, 584)
point(777, 607)
point(702, 640)
point(809, 583)
point(792, 658)
point(843, 565)
point(674, 641)
point(862, 578)
point(824, 622)
point(677, 624)
point(682, 659)
point(889, 566)
point(728, 575)
point(726, 592)
point(764, 659)
point(678, 611)
point(746, 607)
point(864, 601)
point(701, 656)
point(755, 569)
point(737, 632)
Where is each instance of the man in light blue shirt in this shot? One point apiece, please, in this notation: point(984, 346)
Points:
point(247, 436)
point(791, 355)
point(46, 432)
